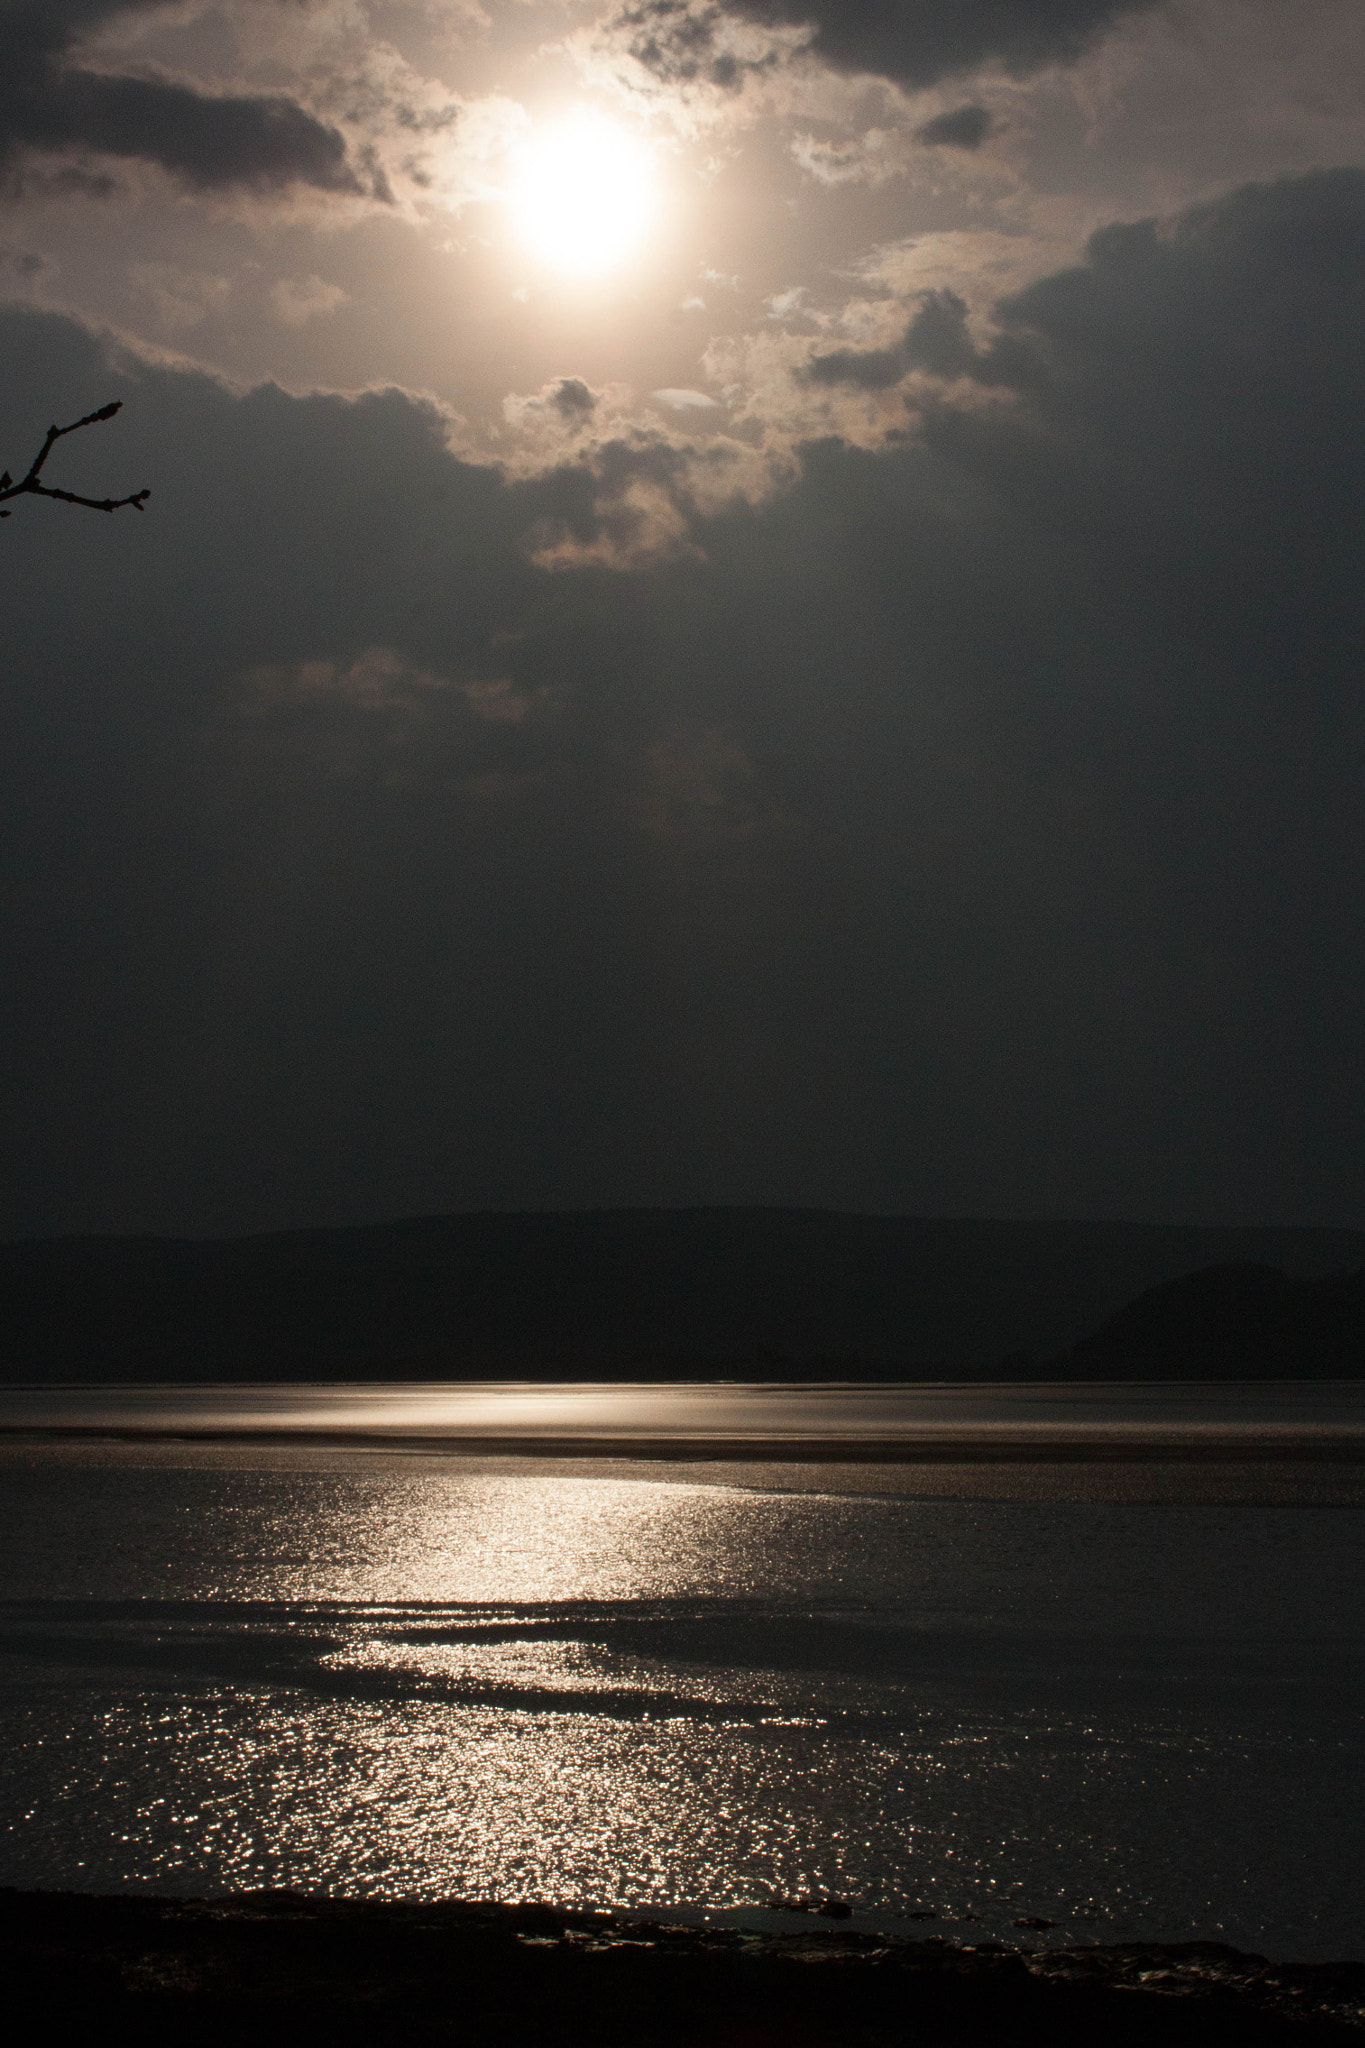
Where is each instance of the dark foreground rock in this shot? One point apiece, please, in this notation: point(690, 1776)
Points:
point(270, 1968)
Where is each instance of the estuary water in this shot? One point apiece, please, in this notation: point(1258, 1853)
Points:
point(359, 1651)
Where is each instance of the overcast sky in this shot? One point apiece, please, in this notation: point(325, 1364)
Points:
point(752, 602)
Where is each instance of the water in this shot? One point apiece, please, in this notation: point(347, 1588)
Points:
point(1122, 1695)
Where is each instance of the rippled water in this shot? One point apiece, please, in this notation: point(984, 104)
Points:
point(1124, 1697)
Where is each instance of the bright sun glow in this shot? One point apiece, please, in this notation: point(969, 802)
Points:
point(583, 195)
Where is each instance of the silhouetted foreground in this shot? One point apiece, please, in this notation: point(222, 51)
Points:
point(282, 1968)
point(30, 484)
point(632, 1294)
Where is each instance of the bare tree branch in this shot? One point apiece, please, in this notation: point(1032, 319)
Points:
point(29, 486)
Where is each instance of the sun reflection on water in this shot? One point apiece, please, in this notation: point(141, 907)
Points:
point(481, 1804)
point(381, 1674)
point(525, 1539)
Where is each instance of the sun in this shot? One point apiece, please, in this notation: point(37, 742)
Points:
point(583, 194)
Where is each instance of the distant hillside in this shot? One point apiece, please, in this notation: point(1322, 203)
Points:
point(752, 1293)
point(1239, 1321)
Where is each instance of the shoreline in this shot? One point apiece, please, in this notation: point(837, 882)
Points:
point(1344, 1446)
point(298, 1967)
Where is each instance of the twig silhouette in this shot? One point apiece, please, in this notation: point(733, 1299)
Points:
point(29, 486)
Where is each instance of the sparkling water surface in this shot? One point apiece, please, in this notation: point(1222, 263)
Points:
point(1122, 1696)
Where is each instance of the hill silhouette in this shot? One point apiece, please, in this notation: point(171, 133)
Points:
point(1238, 1321)
point(664, 1294)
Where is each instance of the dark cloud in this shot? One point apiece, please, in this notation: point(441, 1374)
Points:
point(49, 103)
point(677, 41)
point(867, 369)
point(572, 397)
point(972, 828)
point(961, 128)
point(936, 340)
point(913, 42)
point(28, 264)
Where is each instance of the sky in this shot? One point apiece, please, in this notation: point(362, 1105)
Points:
point(743, 601)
